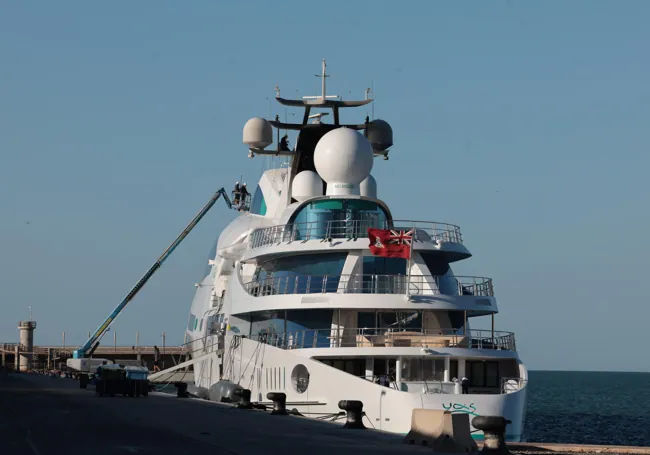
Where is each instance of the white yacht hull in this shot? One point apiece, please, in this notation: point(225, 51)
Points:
point(263, 369)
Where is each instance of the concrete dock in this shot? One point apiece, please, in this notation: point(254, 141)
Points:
point(40, 415)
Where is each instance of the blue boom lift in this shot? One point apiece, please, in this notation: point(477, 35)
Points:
point(81, 357)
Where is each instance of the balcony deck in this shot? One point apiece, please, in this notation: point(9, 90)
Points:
point(424, 231)
point(431, 285)
point(386, 337)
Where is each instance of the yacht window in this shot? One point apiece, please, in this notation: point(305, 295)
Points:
point(399, 320)
point(423, 369)
point(375, 265)
point(266, 322)
point(390, 320)
point(338, 218)
point(457, 319)
point(439, 267)
point(304, 328)
point(453, 369)
point(476, 373)
point(491, 374)
point(302, 274)
point(258, 203)
point(384, 275)
point(310, 328)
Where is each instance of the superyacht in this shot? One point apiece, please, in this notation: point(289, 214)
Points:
point(317, 291)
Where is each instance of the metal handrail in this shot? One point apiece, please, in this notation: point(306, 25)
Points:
point(389, 337)
point(371, 284)
point(424, 231)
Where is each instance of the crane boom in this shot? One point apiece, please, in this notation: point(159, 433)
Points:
point(89, 347)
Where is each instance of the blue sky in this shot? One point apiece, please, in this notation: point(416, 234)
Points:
point(523, 122)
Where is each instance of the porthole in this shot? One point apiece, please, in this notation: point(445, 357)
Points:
point(300, 378)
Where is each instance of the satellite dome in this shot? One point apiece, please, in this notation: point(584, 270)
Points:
point(369, 187)
point(343, 158)
point(380, 135)
point(305, 185)
point(258, 133)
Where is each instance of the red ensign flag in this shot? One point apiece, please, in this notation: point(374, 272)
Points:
point(390, 243)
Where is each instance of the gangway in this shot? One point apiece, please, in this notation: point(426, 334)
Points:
point(80, 361)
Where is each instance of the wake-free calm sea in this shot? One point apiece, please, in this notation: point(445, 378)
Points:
point(588, 408)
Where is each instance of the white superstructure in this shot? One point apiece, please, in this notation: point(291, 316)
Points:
point(296, 302)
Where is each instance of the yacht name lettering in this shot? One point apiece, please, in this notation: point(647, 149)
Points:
point(459, 407)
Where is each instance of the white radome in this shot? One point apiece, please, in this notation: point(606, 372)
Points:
point(258, 133)
point(368, 187)
point(305, 185)
point(343, 156)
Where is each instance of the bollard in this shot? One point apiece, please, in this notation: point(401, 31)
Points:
point(279, 400)
point(245, 396)
point(181, 389)
point(83, 381)
point(354, 410)
point(494, 429)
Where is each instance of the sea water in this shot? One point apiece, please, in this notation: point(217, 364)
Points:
point(588, 408)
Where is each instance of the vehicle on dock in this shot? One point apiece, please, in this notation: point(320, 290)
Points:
point(116, 379)
point(316, 290)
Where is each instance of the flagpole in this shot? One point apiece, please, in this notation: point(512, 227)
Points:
point(408, 269)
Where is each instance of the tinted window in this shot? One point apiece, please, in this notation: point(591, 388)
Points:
point(303, 274)
point(375, 265)
point(439, 267)
point(384, 275)
point(258, 204)
point(338, 218)
point(304, 328)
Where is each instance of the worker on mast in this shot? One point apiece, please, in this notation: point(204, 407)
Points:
point(284, 143)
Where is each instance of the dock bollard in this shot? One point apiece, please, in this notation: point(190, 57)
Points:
point(354, 410)
point(279, 400)
point(181, 389)
point(245, 395)
point(494, 429)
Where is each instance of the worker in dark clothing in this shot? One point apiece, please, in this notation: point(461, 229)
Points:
point(244, 193)
point(236, 193)
point(156, 359)
point(284, 143)
point(464, 383)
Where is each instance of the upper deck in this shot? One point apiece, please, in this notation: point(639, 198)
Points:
point(424, 231)
point(353, 234)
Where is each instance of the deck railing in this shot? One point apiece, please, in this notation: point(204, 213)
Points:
point(424, 231)
point(371, 284)
point(387, 337)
